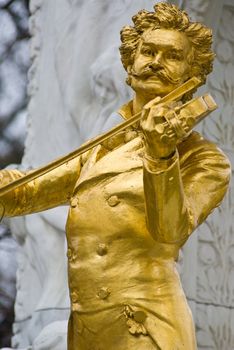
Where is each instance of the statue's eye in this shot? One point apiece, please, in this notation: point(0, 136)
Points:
point(147, 51)
point(172, 55)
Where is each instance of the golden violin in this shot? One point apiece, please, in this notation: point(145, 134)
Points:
point(204, 105)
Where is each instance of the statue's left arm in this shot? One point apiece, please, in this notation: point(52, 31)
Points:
point(183, 187)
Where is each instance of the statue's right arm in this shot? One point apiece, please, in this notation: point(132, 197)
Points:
point(50, 190)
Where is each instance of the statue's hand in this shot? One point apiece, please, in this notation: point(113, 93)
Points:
point(160, 138)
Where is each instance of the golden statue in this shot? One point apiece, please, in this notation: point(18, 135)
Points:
point(136, 197)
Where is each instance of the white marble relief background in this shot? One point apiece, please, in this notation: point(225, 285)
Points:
point(75, 83)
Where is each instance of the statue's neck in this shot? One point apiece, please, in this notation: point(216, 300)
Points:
point(139, 101)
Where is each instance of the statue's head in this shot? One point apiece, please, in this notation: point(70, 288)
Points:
point(164, 48)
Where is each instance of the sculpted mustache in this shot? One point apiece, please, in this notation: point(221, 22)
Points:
point(161, 73)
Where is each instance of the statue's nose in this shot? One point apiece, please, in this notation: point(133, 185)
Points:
point(156, 62)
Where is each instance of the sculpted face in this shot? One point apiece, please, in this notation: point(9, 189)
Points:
point(161, 62)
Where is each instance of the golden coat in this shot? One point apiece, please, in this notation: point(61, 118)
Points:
point(126, 224)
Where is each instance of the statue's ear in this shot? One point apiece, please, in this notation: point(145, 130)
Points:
point(129, 78)
point(129, 68)
point(195, 71)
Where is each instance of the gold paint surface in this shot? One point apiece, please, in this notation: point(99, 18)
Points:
point(135, 200)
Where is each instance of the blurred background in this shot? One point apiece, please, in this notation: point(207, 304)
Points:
point(14, 64)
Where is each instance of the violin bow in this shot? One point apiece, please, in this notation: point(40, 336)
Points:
point(174, 95)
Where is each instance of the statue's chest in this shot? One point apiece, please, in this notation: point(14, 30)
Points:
point(109, 212)
point(108, 202)
point(108, 199)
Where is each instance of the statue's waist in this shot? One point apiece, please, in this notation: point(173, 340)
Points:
point(116, 294)
point(100, 287)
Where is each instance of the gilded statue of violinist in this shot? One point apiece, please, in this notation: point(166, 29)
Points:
point(136, 198)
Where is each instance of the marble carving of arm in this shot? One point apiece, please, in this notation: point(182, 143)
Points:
point(48, 191)
point(180, 192)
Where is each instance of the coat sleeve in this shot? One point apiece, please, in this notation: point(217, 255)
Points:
point(50, 190)
point(182, 191)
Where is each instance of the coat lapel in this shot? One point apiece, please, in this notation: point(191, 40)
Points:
point(102, 163)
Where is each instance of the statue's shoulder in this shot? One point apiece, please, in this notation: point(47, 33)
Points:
point(196, 149)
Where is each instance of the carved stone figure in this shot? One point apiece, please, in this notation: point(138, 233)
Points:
point(136, 198)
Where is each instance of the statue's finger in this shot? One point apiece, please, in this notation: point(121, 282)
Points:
point(144, 114)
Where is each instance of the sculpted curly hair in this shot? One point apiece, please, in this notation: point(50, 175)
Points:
point(168, 16)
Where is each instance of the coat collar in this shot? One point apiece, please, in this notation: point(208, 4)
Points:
point(125, 155)
point(126, 111)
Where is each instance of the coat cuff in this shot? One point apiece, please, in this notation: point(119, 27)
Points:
point(159, 165)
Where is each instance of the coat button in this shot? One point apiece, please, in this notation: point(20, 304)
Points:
point(69, 253)
point(74, 297)
point(74, 202)
point(139, 316)
point(102, 249)
point(113, 201)
point(103, 293)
